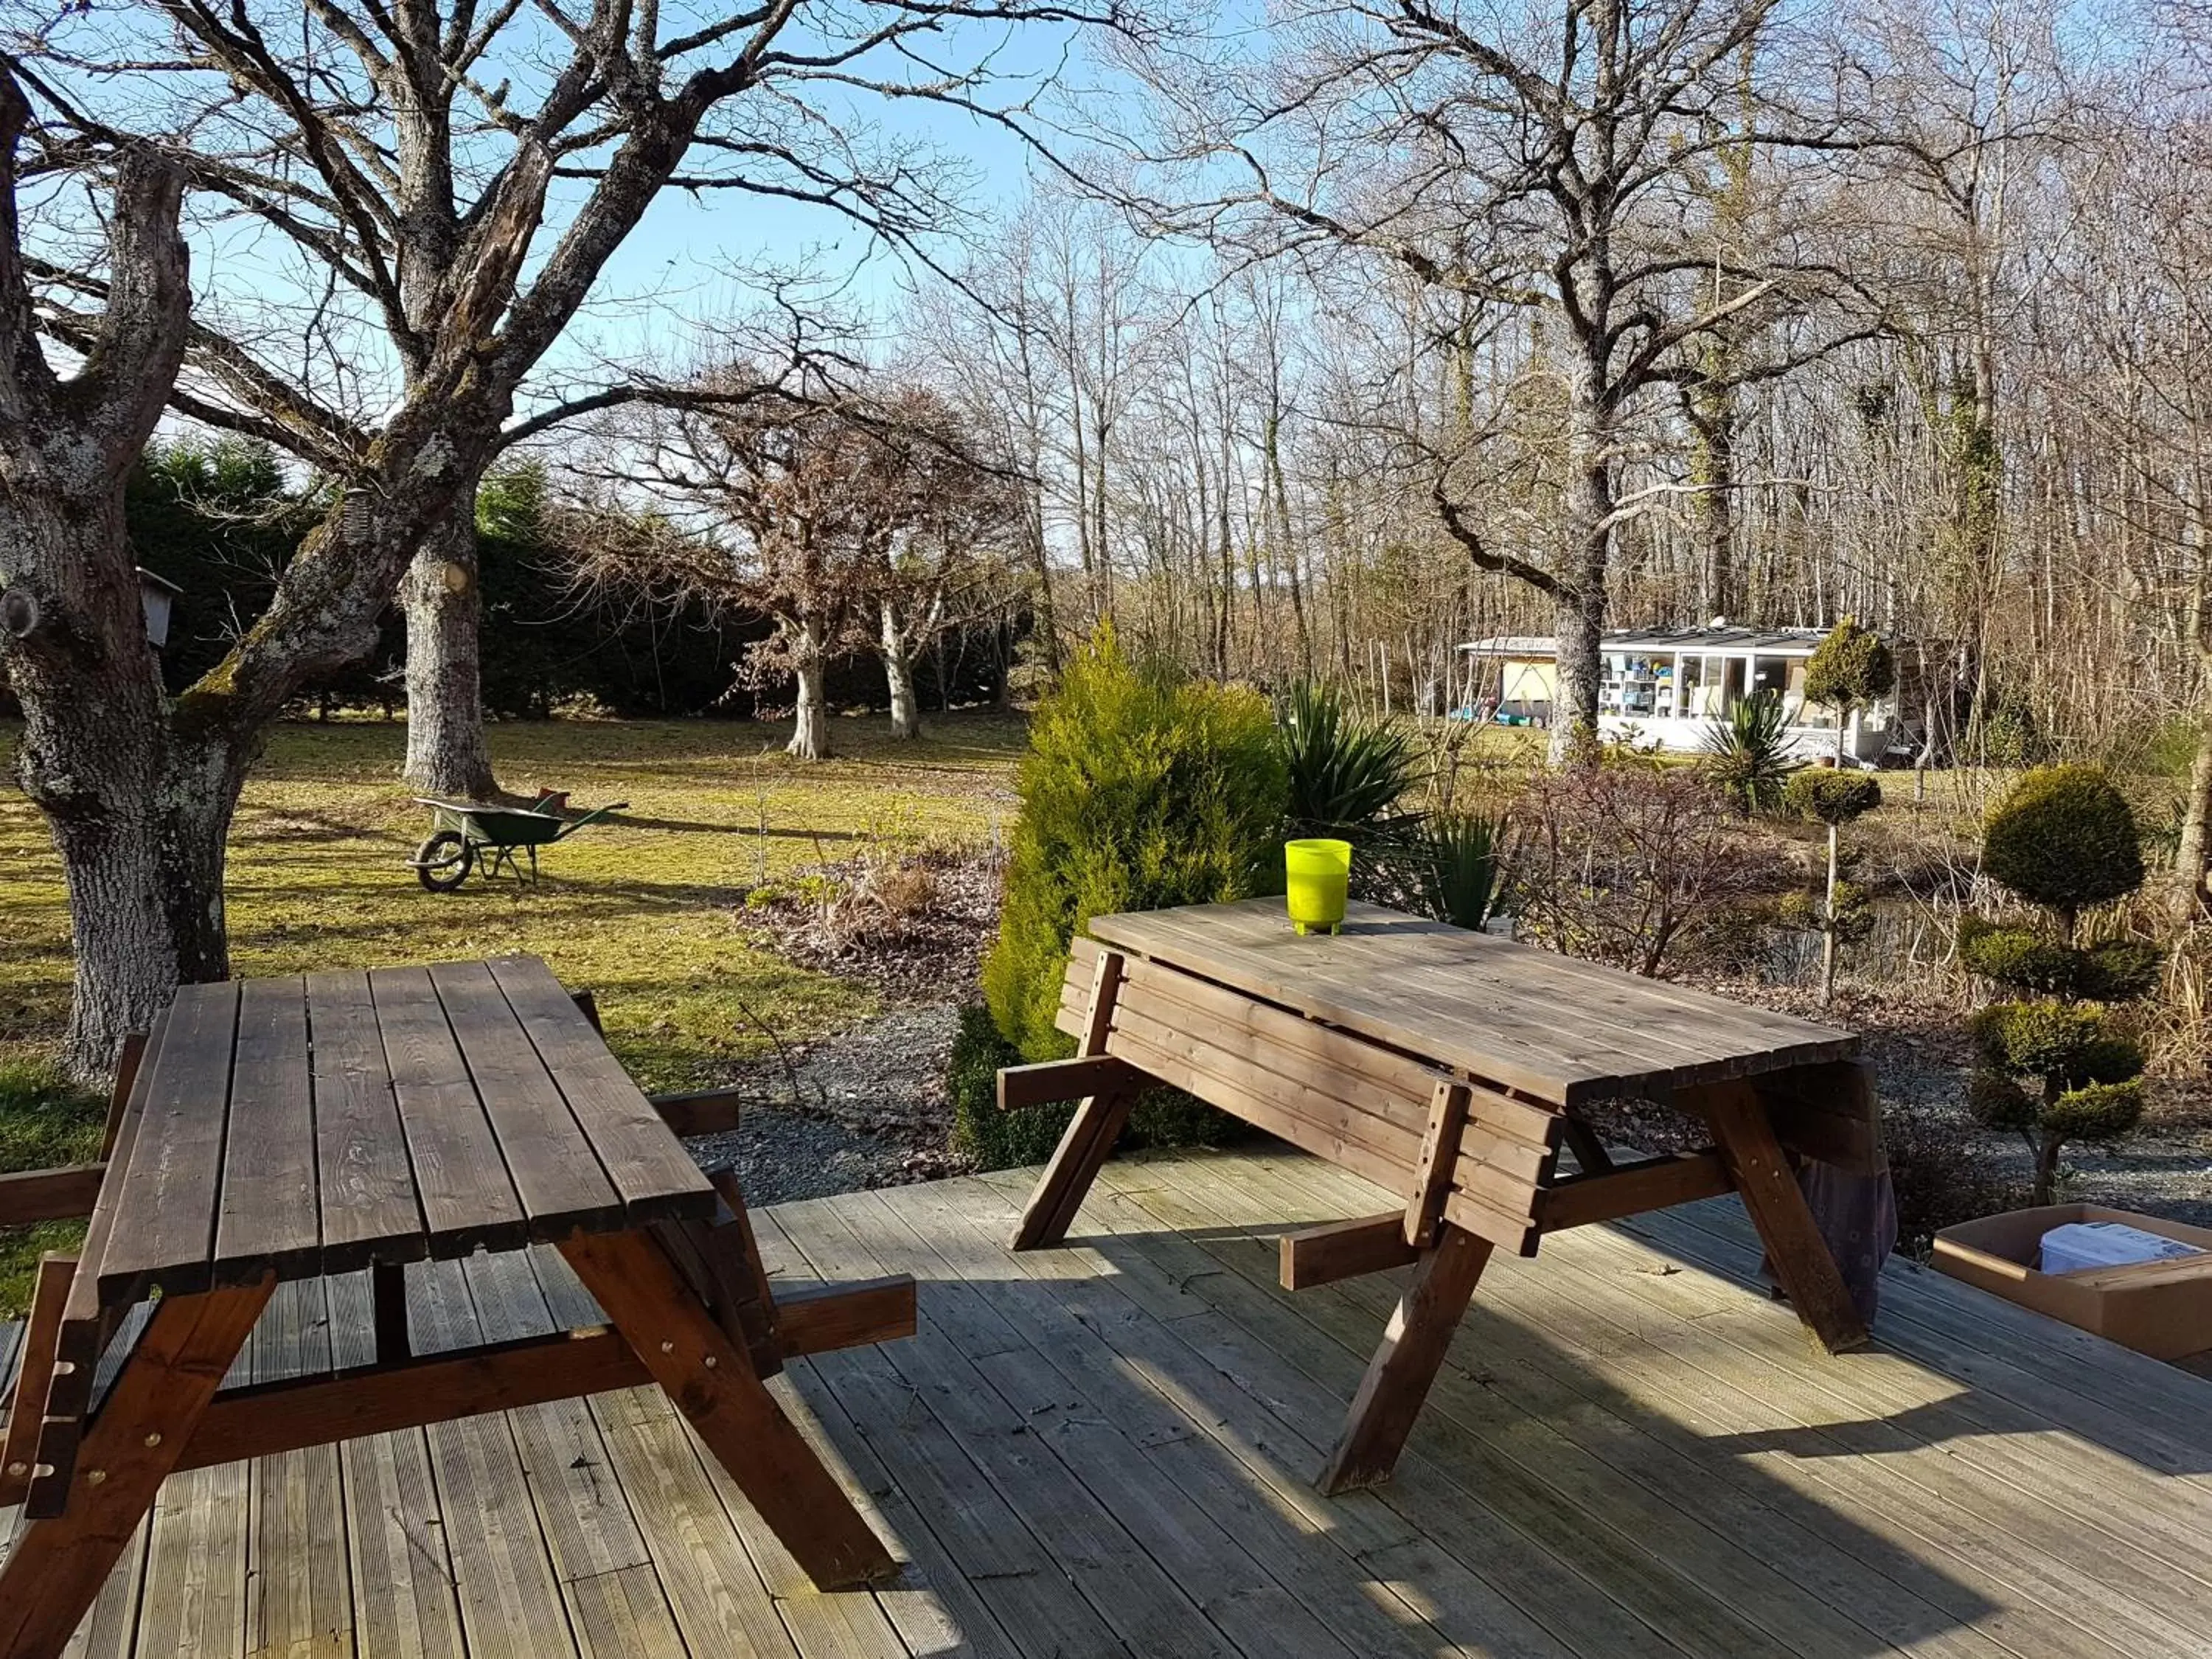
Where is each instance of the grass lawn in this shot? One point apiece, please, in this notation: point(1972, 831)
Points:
point(640, 910)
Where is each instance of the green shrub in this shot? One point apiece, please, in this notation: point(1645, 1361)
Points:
point(2019, 958)
point(2064, 838)
point(2011, 734)
point(2001, 1104)
point(1459, 866)
point(1852, 668)
point(1830, 795)
point(1747, 754)
point(2088, 1070)
point(992, 1140)
point(1139, 791)
point(2095, 1111)
point(1346, 776)
point(2119, 971)
point(2045, 1038)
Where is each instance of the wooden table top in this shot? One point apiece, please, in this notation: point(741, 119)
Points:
point(1562, 1031)
point(317, 1123)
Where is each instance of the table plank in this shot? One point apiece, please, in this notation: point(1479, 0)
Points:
point(163, 1230)
point(1564, 1030)
point(556, 1172)
point(267, 1217)
point(364, 1175)
point(651, 1171)
point(467, 1196)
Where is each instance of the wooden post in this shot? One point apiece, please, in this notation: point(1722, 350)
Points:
point(1800, 1259)
point(1432, 1169)
point(57, 1565)
point(712, 1382)
point(1090, 1133)
point(1399, 1375)
point(19, 1451)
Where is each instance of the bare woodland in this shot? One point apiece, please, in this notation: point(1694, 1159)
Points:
point(1309, 350)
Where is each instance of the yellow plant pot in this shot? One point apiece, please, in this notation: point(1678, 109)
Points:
point(1319, 871)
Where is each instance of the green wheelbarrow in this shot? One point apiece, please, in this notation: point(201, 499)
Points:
point(462, 834)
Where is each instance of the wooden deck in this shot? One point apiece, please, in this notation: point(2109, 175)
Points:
point(1106, 1449)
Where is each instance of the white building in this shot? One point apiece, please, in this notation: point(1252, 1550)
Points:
point(1668, 687)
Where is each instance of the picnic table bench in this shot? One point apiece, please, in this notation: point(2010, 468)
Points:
point(286, 1129)
point(1449, 1067)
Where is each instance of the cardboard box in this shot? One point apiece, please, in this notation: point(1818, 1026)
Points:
point(2163, 1309)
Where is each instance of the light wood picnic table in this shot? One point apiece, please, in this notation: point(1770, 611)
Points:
point(284, 1128)
point(1449, 1067)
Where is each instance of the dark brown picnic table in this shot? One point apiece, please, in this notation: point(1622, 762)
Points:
point(285, 1128)
point(1451, 1068)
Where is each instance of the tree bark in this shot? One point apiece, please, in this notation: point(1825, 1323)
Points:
point(139, 820)
point(898, 677)
point(1828, 928)
point(443, 603)
point(1580, 601)
point(2195, 840)
point(137, 815)
point(810, 730)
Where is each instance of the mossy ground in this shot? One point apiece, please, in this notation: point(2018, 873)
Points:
point(642, 909)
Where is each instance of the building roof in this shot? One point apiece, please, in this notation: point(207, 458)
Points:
point(1778, 641)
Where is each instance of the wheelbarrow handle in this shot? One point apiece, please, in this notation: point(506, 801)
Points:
point(572, 825)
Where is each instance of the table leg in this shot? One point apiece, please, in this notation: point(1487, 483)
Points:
point(1088, 1138)
point(57, 1566)
point(712, 1382)
point(1400, 1374)
point(1081, 1152)
point(1799, 1255)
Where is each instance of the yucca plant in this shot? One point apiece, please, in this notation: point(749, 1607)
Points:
point(1460, 863)
point(1747, 754)
point(1346, 774)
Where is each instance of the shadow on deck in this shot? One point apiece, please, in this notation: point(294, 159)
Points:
point(1106, 1449)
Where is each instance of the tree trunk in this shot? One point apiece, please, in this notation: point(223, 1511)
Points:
point(139, 819)
point(898, 678)
point(810, 728)
point(443, 601)
point(2045, 1189)
point(1580, 602)
point(1828, 928)
point(2195, 841)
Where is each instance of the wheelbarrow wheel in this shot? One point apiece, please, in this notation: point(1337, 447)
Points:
point(443, 862)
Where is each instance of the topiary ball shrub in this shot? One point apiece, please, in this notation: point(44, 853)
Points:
point(2040, 1038)
point(1832, 797)
point(1141, 790)
point(2119, 971)
point(2019, 958)
point(2095, 1111)
point(1850, 667)
point(2065, 837)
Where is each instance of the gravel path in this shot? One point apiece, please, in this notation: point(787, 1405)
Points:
point(863, 1109)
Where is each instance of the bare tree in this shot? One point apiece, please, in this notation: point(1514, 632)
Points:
point(297, 122)
point(99, 756)
point(856, 521)
point(1551, 161)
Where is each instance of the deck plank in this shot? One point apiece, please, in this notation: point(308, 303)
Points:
point(509, 1589)
point(1193, 1541)
point(1630, 1452)
point(1145, 1605)
point(300, 1597)
point(1089, 1348)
